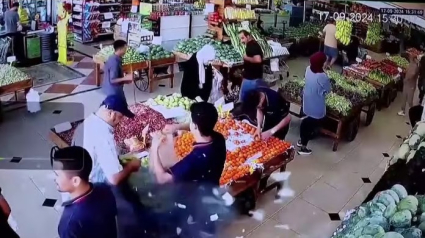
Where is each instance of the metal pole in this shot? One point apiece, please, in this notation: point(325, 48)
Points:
point(304, 13)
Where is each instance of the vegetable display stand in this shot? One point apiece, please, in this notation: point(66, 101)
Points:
point(180, 57)
point(24, 85)
point(161, 63)
point(385, 92)
point(247, 189)
point(337, 126)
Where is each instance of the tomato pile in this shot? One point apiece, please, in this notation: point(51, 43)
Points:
point(234, 167)
point(371, 64)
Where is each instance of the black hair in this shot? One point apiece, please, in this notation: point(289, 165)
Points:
point(204, 115)
point(75, 160)
point(118, 44)
point(251, 100)
point(244, 32)
point(15, 4)
point(406, 56)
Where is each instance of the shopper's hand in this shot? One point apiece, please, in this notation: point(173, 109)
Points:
point(128, 78)
point(170, 129)
point(257, 134)
point(134, 165)
point(265, 135)
point(157, 138)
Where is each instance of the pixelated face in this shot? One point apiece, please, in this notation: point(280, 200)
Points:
point(115, 117)
point(122, 50)
point(243, 38)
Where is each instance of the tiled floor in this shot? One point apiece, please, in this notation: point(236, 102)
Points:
point(326, 184)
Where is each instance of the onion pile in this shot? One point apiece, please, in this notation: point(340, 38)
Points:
point(128, 128)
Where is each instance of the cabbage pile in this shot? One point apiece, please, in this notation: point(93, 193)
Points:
point(10, 74)
point(409, 147)
point(391, 214)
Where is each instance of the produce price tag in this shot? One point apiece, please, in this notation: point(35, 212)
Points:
point(248, 6)
point(400, 69)
point(359, 60)
point(227, 107)
point(245, 25)
point(108, 15)
point(368, 57)
point(274, 65)
point(106, 24)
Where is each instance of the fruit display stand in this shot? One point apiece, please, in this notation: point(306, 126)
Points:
point(167, 62)
point(386, 92)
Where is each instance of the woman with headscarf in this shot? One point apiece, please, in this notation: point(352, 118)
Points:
point(317, 86)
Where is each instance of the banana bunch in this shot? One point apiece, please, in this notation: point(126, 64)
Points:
point(373, 34)
point(343, 31)
point(277, 3)
point(199, 4)
point(239, 14)
point(23, 16)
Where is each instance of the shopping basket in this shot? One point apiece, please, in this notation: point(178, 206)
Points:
point(4, 49)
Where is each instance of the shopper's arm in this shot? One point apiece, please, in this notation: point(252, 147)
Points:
point(283, 123)
point(161, 175)
point(169, 129)
point(114, 73)
point(110, 165)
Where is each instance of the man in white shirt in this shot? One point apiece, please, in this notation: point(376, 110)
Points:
point(96, 135)
point(331, 44)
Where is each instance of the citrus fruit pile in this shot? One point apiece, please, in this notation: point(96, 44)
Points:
point(235, 166)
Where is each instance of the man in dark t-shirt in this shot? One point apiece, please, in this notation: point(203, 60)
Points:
point(92, 211)
point(253, 64)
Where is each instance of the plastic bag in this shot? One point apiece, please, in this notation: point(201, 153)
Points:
point(33, 101)
point(143, 49)
point(216, 91)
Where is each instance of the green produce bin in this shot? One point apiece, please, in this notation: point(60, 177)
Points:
point(269, 20)
point(32, 47)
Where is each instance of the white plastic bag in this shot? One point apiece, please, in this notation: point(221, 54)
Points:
point(216, 91)
point(33, 101)
point(143, 49)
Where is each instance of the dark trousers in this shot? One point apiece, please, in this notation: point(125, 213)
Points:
point(308, 128)
point(415, 114)
point(18, 45)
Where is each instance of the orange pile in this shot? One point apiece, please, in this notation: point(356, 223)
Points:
point(234, 167)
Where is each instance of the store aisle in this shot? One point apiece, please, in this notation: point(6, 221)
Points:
point(326, 184)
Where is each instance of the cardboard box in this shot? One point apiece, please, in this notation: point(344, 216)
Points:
point(118, 35)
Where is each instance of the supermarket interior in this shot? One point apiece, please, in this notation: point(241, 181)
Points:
point(362, 174)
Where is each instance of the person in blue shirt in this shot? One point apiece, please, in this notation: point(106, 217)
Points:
point(91, 212)
point(317, 86)
point(113, 75)
point(201, 168)
point(271, 115)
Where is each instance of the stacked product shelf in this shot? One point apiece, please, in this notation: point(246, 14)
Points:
point(95, 19)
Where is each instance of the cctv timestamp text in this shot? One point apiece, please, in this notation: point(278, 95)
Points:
point(356, 17)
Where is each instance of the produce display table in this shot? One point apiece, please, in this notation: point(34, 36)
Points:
point(257, 182)
point(128, 68)
point(386, 92)
point(24, 85)
point(346, 126)
point(169, 63)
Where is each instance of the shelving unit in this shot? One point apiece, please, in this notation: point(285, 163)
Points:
point(92, 20)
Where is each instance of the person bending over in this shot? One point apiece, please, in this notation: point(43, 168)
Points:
point(409, 83)
point(91, 212)
point(317, 86)
point(331, 44)
point(113, 75)
point(271, 114)
point(253, 64)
